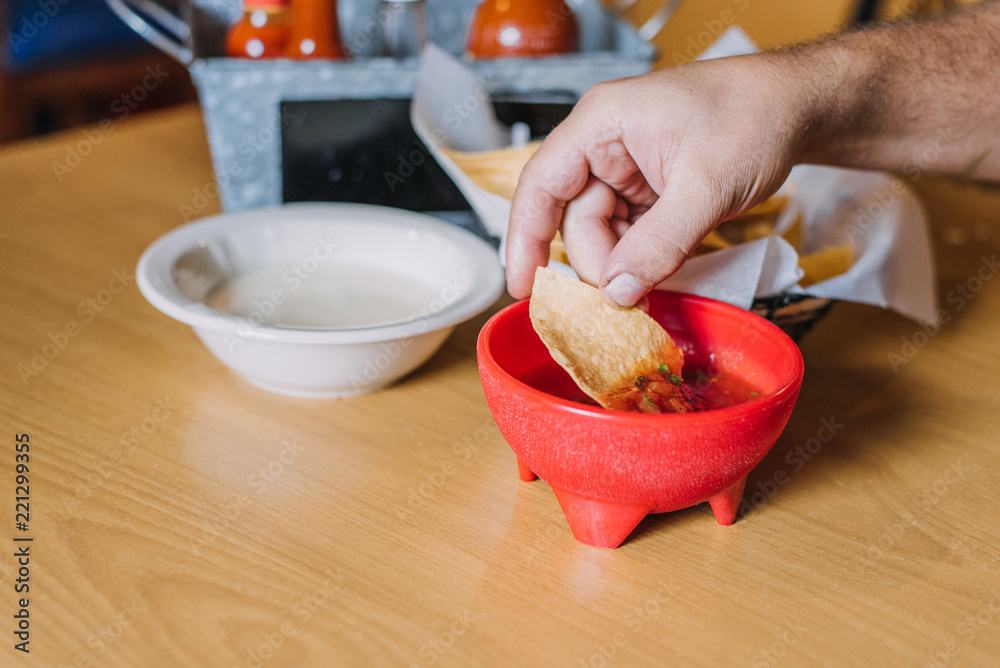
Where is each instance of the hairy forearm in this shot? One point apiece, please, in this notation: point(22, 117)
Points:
point(917, 96)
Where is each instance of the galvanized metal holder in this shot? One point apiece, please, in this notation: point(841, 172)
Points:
point(241, 98)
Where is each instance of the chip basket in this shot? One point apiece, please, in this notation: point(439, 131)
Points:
point(794, 313)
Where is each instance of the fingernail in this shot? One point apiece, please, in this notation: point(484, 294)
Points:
point(625, 290)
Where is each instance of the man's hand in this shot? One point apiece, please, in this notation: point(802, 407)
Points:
point(644, 168)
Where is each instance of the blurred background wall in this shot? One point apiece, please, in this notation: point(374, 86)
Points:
point(65, 63)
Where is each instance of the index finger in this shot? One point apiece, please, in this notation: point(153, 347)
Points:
point(555, 175)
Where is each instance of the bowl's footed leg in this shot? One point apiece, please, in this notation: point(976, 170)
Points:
point(726, 503)
point(599, 522)
point(527, 475)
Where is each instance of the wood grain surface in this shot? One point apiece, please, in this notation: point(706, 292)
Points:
point(181, 517)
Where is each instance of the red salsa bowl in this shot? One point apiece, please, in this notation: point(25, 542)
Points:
point(609, 469)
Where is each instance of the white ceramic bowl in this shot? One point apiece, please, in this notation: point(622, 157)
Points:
point(321, 300)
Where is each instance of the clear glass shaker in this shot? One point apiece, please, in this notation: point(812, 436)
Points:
point(404, 31)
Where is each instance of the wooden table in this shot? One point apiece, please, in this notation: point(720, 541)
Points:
point(181, 517)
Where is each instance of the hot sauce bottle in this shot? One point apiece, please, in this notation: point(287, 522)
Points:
point(262, 32)
point(315, 32)
point(522, 29)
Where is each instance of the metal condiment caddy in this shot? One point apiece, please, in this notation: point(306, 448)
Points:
point(243, 100)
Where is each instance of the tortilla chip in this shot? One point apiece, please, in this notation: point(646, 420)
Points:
point(495, 171)
point(744, 229)
point(600, 347)
point(793, 234)
point(712, 241)
point(755, 223)
point(824, 264)
point(774, 204)
point(758, 229)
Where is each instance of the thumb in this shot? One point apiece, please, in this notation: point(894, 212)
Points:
point(653, 248)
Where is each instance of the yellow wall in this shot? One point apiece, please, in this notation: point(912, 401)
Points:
point(768, 22)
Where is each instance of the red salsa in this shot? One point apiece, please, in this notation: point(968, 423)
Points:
point(658, 391)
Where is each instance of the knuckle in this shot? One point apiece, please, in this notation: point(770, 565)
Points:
point(599, 95)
